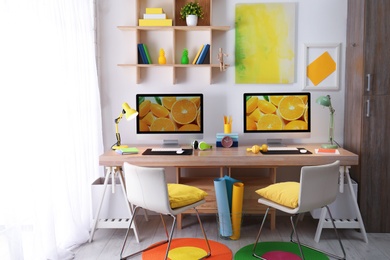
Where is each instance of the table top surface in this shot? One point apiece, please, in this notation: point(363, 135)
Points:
point(230, 157)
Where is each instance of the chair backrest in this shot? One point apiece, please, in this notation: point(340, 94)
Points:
point(319, 186)
point(146, 187)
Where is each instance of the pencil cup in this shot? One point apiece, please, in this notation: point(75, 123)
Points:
point(227, 128)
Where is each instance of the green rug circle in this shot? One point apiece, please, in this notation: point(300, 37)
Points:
point(245, 253)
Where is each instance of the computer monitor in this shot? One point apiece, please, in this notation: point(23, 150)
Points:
point(170, 118)
point(277, 116)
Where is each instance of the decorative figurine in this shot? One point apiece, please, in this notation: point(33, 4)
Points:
point(161, 58)
point(222, 65)
point(184, 57)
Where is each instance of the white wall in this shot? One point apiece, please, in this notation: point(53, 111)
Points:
point(318, 21)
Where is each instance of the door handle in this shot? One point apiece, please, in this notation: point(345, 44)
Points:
point(367, 108)
point(368, 82)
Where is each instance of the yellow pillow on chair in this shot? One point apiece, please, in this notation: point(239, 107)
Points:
point(181, 195)
point(283, 193)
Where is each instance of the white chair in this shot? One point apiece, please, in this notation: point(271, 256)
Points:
point(318, 187)
point(147, 188)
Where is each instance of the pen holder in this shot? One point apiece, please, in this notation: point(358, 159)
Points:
point(227, 128)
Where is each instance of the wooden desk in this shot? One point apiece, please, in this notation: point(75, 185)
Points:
point(238, 157)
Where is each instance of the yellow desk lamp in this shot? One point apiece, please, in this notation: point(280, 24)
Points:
point(325, 101)
point(129, 114)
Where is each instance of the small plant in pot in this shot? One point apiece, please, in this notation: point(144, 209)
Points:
point(190, 12)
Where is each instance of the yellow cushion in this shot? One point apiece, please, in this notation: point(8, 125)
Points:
point(181, 195)
point(284, 193)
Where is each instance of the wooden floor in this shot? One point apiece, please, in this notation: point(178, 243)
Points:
point(107, 242)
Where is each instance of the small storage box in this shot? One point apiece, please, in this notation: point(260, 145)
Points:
point(342, 207)
point(114, 204)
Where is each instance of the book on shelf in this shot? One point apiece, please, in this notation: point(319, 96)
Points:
point(327, 151)
point(155, 22)
point(203, 54)
point(147, 54)
point(142, 53)
point(155, 16)
point(155, 10)
point(197, 55)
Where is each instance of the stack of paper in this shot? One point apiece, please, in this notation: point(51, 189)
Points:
point(155, 17)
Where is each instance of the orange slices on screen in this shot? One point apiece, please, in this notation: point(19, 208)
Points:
point(184, 111)
point(189, 127)
point(144, 108)
point(167, 102)
point(270, 122)
point(275, 100)
point(296, 125)
point(158, 110)
point(266, 107)
point(251, 104)
point(291, 108)
point(162, 125)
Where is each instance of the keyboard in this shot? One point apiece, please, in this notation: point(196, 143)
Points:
point(166, 149)
point(282, 148)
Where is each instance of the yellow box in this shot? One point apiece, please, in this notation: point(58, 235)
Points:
point(155, 22)
point(156, 10)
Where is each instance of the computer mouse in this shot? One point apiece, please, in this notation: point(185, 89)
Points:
point(303, 151)
point(180, 151)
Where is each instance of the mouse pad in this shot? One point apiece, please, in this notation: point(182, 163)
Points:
point(150, 152)
point(287, 152)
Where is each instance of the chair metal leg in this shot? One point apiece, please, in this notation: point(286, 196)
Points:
point(143, 250)
point(324, 252)
point(258, 236)
point(204, 235)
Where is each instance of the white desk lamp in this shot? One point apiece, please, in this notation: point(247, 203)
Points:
point(325, 101)
point(129, 114)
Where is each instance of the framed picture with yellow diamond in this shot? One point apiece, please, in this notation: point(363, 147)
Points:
point(321, 66)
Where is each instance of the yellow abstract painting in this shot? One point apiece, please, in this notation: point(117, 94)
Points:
point(265, 43)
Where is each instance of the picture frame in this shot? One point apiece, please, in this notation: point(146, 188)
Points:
point(321, 66)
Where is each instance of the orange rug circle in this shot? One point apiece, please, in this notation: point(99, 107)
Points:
point(188, 249)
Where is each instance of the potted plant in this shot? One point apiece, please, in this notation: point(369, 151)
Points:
point(190, 12)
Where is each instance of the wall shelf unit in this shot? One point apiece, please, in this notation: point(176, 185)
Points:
point(173, 39)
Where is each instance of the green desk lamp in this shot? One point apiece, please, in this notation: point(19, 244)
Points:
point(325, 101)
point(129, 114)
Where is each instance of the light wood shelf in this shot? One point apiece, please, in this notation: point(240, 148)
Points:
point(174, 38)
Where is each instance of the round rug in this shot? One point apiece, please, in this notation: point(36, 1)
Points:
point(189, 249)
point(278, 251)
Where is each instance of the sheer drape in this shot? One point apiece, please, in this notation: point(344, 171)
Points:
point(51, 126)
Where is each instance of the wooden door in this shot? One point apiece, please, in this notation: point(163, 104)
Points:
point(368, 107)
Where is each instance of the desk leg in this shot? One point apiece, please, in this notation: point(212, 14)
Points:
point(95, 221)
point(323, 223)
point(111, 171)
point(356, 206)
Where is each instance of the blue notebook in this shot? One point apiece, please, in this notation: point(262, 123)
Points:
point(203, 54)
point(141, 51)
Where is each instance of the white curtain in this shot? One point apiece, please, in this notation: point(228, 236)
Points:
point(50, 127)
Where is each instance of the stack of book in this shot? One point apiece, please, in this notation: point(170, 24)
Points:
point(143, 54)
point(155, 17)
point(233, 136)
point(200, 57)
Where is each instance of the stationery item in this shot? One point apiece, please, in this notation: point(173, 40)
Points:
point(142, 53)
point(155, 16)
point(127, 150)
point(237, 201)
point(203, 54)
point(227, 124)
point(225, 224)
point(155, 10)
point(155, 22)
point(197, 55)
point(327, 151)
point(147, 54)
